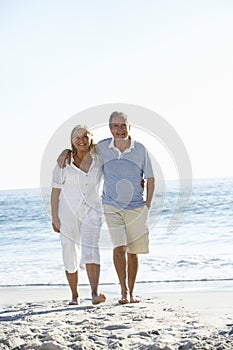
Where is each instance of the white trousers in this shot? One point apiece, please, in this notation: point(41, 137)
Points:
point(85, 248)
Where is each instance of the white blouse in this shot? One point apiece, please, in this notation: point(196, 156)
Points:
point(79, 190)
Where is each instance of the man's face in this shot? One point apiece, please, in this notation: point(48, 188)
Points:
point(119, 128)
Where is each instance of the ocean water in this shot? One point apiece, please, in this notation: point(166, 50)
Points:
point(197, 254)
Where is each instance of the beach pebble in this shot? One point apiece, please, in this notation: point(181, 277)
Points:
point(188, 346)
point(138, 318)
point(54, 336)
point(222, 347)
point(144, 334)
point(52, 346)
point(160, 347)
point(116, 326)
point(35, 345)
point(14, 342)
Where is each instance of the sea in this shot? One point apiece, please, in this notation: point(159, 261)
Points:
point(194, 254)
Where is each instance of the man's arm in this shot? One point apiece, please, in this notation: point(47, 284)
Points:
point(54, 209)
point(150, 188)
point(63, 158)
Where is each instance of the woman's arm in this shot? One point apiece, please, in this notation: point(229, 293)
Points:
point(54, 209)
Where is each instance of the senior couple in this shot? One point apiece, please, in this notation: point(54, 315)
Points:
point(76, 206)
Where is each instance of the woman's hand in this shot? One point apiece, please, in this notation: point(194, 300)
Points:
point(56, 224)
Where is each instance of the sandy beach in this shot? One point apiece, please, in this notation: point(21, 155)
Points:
point(41, 319)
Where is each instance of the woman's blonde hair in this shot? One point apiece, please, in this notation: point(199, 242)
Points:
point(93, 149)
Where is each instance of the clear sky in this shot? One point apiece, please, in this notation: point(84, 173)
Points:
point(59, 57)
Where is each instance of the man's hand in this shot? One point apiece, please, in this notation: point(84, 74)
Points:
point(63, 158)
point(150, 187)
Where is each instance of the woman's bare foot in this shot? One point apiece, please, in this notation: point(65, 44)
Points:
point(97, 299)
point(74, 302)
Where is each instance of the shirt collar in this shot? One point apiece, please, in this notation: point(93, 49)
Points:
point(111, 145)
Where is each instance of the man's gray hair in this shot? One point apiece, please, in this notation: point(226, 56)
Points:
point(117, 114)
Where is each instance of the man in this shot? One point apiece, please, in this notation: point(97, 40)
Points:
point(126, 165)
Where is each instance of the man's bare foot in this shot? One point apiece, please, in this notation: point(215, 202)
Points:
point(134, 300)
point(123, 300)
point(97, 299)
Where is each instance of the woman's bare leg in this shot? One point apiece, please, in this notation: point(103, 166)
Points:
point(93, 273)
point(73, 283)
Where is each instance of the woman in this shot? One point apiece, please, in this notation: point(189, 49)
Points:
point(76, 212)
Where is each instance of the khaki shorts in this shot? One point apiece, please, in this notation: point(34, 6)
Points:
point(128, 228)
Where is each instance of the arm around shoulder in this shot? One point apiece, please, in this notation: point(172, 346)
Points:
point(63, 158)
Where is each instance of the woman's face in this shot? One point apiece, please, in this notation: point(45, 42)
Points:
point(81, 139)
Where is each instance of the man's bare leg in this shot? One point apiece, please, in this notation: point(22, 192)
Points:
point(73, 283)
point(119, 259)
point(132, 274)
point(93, 273)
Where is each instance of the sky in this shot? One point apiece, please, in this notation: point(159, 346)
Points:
point(59, 58)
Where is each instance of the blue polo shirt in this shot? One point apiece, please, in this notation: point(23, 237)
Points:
point(123, 173)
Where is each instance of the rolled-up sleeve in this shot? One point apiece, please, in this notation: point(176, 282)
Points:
point(148, 169)
point(58, 177)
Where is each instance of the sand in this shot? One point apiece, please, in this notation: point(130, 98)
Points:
point(41, 319)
